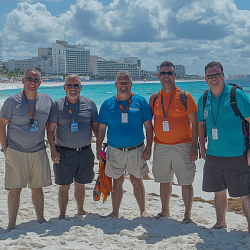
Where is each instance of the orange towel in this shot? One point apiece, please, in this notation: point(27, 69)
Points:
point(103, 184)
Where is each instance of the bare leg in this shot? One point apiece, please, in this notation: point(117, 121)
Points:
point(221, 208)
point(80, 196)
point(245, 200)
point(38, 202)
point(139, 193)
point(116, 196)
point(165, 193)
point(63, 198)
point(187, 195)
point(13, 205)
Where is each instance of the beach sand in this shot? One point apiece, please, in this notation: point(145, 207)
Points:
point(129, 231)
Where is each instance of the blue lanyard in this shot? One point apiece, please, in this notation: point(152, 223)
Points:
point(70, 111)
point(215, 120)
point(162, 105)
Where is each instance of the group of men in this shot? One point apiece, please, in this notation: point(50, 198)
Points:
point(71, 120)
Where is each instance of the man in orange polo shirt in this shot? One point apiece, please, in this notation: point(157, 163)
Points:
point(175, 149)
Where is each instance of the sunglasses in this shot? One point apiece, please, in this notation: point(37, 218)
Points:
point(30, 79)
point(215, 75)
point(169, 73)
point(69, 86)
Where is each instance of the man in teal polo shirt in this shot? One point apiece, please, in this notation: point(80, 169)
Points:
point(225, 165)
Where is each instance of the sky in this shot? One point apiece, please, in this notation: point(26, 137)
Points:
point(187, 32)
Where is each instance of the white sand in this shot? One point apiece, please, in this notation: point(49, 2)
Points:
point(128, 232)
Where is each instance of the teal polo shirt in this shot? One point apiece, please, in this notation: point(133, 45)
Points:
point(231, 141)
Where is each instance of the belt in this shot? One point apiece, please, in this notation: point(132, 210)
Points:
point(131, 148)
point(75, 149)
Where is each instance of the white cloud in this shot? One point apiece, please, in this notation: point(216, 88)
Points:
point(185, 31)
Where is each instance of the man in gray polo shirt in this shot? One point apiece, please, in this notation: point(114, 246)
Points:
point(71, 122)
point(25, 114)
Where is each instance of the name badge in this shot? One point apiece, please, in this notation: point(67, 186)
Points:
point(33, 126)
point(165, 126)
point(74, 126)
point(215, 134)
point(124, 117)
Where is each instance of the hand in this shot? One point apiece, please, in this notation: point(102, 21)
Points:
point(248, 157)
point(55, 156)
point(98, 155)
point(146, 154)
point(203, 153)
point(193, 154)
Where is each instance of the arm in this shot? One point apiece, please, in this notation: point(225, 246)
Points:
point(201, 132)
point(3, 141)
point(248, 153)
point(100, 136)
point(55, 156)
point(95, 126)
point(146, 154)
point(193, 154)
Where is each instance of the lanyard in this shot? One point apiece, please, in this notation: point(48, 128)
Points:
point(34, 114)
point(162, 105)
point(215, 121)
point(70, 111)
point(128, 104)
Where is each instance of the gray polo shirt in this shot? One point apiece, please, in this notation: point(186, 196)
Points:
point(19, 136)
point(86, 114)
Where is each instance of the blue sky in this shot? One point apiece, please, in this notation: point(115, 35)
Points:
point(188, 32)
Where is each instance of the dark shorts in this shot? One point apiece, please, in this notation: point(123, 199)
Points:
point(74, 165)
point(230, 173)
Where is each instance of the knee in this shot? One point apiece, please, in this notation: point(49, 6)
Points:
point(15, 192)
point(37, 190)
point(245, 198)
point(135, 181)
point(118, 182)
point(64, 188)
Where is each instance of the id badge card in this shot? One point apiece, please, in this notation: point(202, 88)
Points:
point(33, 126)
point(124, 117)
point(165, 126)
point(74, 126)
point(215, 134)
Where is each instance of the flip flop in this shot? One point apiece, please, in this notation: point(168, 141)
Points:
point(159, 215)
point(186, 221)
point(218, 227)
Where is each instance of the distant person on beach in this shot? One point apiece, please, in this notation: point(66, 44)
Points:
point(25, 114)
point(71, 122)
point(124, 115)
point(175, 149)
point(225, 164)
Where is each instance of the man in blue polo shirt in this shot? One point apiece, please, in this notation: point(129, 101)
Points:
point(225, 165)
point(124, 115)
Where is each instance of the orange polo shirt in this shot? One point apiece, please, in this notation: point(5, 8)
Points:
point(177, 117)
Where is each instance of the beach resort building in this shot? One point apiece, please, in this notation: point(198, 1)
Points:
point(109, 68)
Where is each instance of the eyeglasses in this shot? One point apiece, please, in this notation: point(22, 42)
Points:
point(30, 79)
point(214, 75)
point(169, 73)
point(69, 86)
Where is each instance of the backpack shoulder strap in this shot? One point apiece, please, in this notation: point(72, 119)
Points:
point(155, 97)
point(205, 100)
point(233, 102)
point(183, 98)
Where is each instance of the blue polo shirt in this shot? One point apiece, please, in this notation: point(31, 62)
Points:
point(231, 141)
point(121, 135)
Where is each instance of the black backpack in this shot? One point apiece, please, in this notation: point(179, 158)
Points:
point(183, 98)
point(233, 102)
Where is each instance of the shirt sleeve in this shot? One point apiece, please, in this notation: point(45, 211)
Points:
point(102, 117)
point(191, 105)
point(94, 113)
point(53, 115)
point(8, 108)
point(146, 111)
point(200, 117)
point(243, 103)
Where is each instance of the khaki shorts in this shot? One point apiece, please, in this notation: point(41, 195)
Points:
point(119, 161)
point(27, 168)
point(173, 159)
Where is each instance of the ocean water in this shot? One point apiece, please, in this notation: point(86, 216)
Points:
point(100, 92)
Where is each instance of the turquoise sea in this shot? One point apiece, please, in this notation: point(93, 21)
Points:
point(100, 92)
